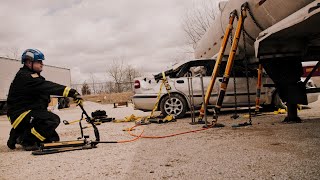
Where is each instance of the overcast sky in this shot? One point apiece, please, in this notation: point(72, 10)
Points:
point(86, 36)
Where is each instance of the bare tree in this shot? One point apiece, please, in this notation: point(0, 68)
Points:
point(122, 75)
point(110, 87)
point(196, 22)
point(85, 90)
point(93, 82)
point(117, 72)
point(131, 73)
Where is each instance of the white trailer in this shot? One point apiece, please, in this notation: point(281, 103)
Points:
point(9, 68)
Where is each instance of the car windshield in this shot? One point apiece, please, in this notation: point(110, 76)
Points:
point(205, 67)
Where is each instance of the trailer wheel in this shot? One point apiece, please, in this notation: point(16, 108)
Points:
point(176, 106)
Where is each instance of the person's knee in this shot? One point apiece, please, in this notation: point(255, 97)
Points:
point(56, 119)
point(53, 120)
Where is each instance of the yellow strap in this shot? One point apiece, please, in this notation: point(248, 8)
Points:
point(165, 82)
point(66, 92)
point(163, 75)
point(19, 119)
point(155, 107)
point(167, 86)
point(168, 118)
point(35, 133)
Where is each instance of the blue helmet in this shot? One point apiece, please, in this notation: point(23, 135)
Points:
point(32, 54)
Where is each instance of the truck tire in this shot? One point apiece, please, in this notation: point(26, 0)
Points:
point(176, 106)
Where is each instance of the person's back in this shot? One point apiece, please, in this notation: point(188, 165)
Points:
point(23, 95)
point(28, 100)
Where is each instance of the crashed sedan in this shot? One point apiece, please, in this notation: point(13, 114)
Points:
point(146, 89)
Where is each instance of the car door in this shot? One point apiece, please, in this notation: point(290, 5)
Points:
point(241, 95)
point(182, 83)
point(236, 92)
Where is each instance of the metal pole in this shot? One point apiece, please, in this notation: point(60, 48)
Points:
point(232, 54)
point(214, 75)
point(192, 100)
point(203, 101)
point(258, 93)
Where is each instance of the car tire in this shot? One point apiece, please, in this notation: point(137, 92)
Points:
point(175, 105)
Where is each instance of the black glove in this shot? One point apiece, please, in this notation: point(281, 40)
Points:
point(77, 98)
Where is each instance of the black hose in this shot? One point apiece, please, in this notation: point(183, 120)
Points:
point(96, 131)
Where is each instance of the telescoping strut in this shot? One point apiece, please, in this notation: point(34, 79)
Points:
point(230, 61)
point(214, 75)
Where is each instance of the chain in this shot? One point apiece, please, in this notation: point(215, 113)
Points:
point(231, 38)
point(248, 35)
point(247, 76)
point(254, 19)
point(235, 115)
point(245, 31)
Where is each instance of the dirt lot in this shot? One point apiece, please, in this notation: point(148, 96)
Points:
point(266, 150)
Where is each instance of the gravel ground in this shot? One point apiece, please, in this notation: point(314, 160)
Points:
point(266, 150)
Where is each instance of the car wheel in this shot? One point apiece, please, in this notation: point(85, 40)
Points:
point(175, 105)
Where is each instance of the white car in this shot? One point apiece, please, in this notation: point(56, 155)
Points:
point(146, 89)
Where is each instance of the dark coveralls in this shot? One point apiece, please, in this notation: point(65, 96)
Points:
point(28, 100)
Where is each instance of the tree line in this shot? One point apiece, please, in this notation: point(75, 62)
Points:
point(121, 74)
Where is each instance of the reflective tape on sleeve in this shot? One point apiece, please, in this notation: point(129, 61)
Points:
point(66, 92)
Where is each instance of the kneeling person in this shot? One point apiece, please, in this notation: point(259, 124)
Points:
point(28, 100)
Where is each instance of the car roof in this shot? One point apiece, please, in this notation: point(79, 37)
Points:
point(179, 66)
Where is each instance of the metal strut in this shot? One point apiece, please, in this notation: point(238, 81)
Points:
point(247, 78)
point(214, 75)
point(258, 93)
point(230, 61)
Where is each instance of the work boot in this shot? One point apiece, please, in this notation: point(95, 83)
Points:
point(55, 137)
point(30, 147)
point(11, 143)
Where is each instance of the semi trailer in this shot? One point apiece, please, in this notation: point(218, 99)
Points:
point(9, 68)
point(278, 34)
